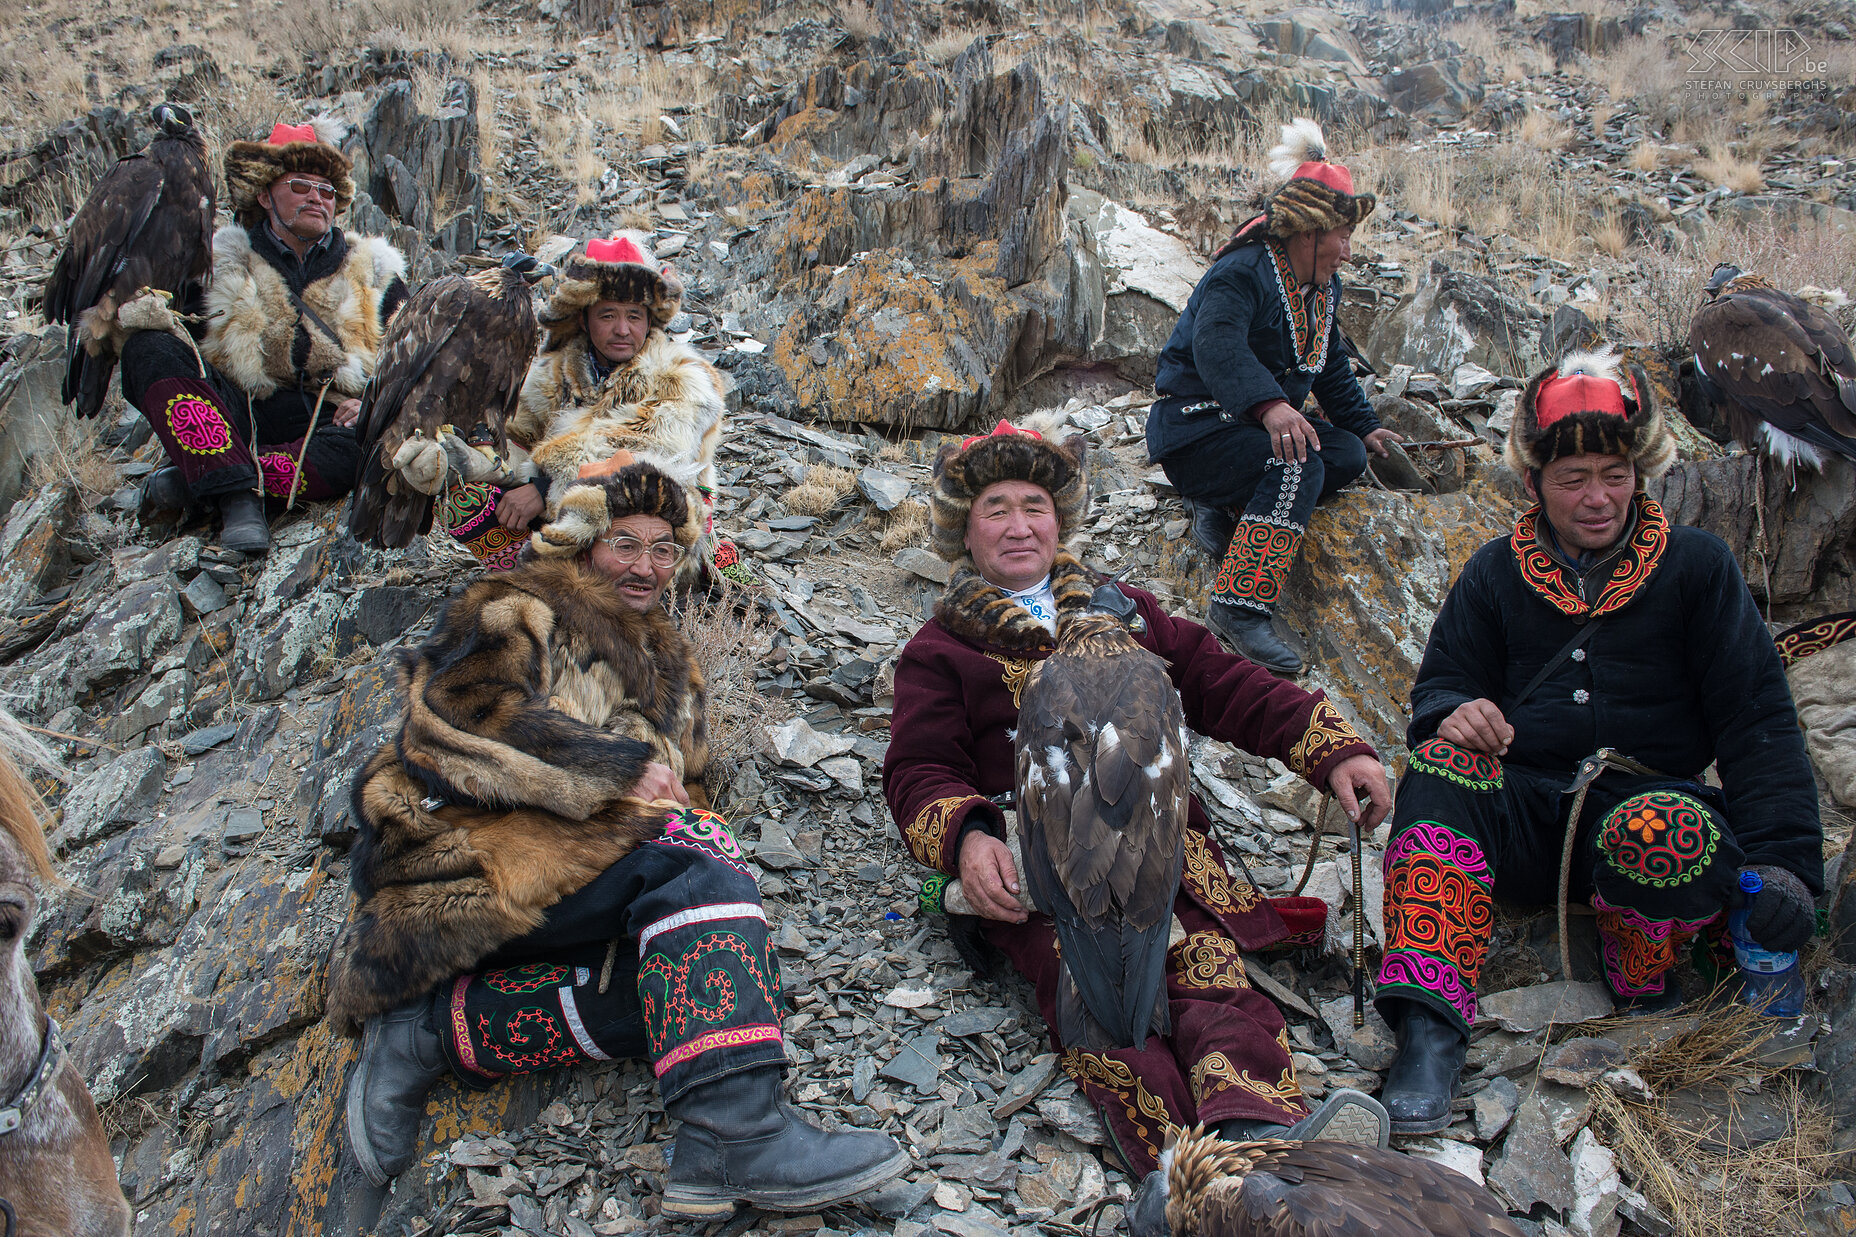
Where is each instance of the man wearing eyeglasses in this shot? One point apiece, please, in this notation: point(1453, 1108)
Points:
point(541, 885)
point(293, 319)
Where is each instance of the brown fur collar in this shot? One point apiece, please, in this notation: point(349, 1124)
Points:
point(979, 612)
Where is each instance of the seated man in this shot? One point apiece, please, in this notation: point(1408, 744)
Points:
point(1003, 505)
point(540, 885)
point(294, 315)
point(1260, 333)
point(609, 379)
point(1594, 625)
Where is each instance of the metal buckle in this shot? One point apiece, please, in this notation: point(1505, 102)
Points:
point(9, 1120)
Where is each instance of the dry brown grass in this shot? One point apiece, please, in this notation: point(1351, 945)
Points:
point(906, 525)
point(728, 642)
point(1646, 156)
point(1510, 187)
point(1545, 131)
point(823, 488)
point(75, 457)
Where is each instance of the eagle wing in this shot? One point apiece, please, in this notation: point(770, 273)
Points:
point(456, 353)
point(1102, 786)
point(1774, 358)
point(1345, 1190)
point(147, 223)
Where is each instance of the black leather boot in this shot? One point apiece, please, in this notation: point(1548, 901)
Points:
point(401, 1058)
point(1251, 634)
point(246, 528)
point(1212, 528)
point(1146, 1211)
point(1426, 1074)
point(740, 1143)
point(165, 497)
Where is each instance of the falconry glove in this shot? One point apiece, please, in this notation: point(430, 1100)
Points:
point(1783, 915)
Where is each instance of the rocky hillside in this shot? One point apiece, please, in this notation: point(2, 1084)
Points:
point(895, 220)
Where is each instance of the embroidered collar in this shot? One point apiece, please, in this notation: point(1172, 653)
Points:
point(51, 1057)
point(982, 613)
point(1310, 338)
point(1631, 565)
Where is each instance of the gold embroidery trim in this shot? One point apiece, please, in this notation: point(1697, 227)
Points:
point(1016, 674)
point(1113, 1075)
point(1207, 878)
point(1327, 733)
point(1206, 960)
point(927, 833)
point(1216, 1068)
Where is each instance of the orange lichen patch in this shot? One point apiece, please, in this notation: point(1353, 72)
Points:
point(318, 1070)
point(802, 128)
point(819, 229)
point(459, 1112)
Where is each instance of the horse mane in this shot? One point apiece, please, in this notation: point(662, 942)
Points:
point(22, 811)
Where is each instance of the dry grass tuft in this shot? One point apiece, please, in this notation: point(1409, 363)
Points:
point(728, 642)
point(1544, 131)
point(822, 490)
point(1646, 156)
point(907, 525)
point(76, 457)
point(1724, 169)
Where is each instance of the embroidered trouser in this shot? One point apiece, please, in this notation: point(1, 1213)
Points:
point(1236, 469)
point(1227, 1055)
point(206, 425)
point(693, 986)
point(1653, 856)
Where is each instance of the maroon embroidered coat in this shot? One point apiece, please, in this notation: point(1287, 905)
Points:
point(957, 694)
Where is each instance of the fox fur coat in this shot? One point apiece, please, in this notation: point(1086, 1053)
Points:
point(531, 712)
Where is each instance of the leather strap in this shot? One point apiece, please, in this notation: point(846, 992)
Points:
point(51, 1056)
point(1553, 663)
point(302, 307)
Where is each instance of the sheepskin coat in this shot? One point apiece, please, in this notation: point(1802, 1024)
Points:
point(531, 712)
point(258, 339)
point(665, 406)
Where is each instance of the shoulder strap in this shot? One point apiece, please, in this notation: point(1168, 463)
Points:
point(1553, 662)
point(302, 307)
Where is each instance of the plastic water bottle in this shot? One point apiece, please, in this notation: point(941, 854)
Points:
point(1769, 981)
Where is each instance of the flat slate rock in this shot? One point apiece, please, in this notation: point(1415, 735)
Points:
point(1560, 1003)
point(918, 1064)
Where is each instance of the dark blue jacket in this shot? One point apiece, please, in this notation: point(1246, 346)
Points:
point(1233, 344)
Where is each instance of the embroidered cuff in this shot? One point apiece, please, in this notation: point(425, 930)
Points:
point(1328, 738)
point(928, 835)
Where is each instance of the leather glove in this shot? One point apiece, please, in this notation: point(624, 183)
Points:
point(1784, 915)
point(421, 461)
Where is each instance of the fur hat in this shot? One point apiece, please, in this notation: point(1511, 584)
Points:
point(1315, 195)
point(252, 167)
point(1028, 452)
point(620, 269)
point(588, 507)
point(1590, 404)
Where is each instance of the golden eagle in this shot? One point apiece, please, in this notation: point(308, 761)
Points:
point(1277, 1188)
point(1102, 793)
point(456, 354)
point(146, 227)
point(1778, 366)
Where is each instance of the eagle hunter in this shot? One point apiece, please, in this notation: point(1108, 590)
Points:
point(1778, 366)
point(1102, 785)
point(146, 228)
point(456, 354)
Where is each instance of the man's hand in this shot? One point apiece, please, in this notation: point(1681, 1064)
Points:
point(1362, 777)
point(1478, 726)
point(1784, 915)
point(1292, 435)
point(517, 507)
point(658, 782)
point(989, 878)
point(347, 412)
point(1377, 440)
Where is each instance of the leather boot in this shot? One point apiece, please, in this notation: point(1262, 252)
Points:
point(740, 1143)
point(1252, 635)
point(401, 1058)
point(165, 497)
point(1425, 1075)
point(1212, 528)
point(1146, 1211)
point(246, 528)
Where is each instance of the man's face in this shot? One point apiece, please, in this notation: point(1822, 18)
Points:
point(1012, 533)
point(301, 204)
point(1586, 498)
point(1332, 249)
point(617, 329)
point(641, 582)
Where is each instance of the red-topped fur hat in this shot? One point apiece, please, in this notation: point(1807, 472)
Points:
point(619, 269)
point(1316, 194)
point(252, 167)
point(1590, 403)
point(1029, 451)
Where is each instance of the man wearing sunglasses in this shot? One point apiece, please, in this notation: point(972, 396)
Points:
point(292, 320)
point(542, 886)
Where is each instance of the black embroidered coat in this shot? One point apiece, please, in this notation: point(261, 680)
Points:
point(1681, 674)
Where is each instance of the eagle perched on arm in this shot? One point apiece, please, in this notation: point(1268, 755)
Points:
point(147, 227)
point(1780, 367)
point(456, 353)
point(1102, 794)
